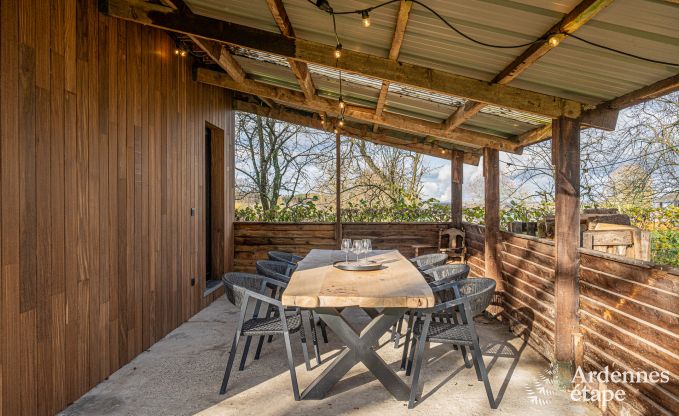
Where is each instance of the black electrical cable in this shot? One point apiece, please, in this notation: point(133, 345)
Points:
point(464, 35)
point(490, 45)
point(608, 48)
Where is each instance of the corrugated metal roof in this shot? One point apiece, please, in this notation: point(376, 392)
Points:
point(573, 70)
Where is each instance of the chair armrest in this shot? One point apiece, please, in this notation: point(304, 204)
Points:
point(445, 286)
point(263, 298)
point(449, 304)
point(268, 281)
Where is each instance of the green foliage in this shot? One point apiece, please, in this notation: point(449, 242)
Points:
point(517, 211)
point(665, 247)
point(305, 211)
point(402, 210)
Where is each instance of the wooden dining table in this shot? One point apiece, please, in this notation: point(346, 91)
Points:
point(384, 294)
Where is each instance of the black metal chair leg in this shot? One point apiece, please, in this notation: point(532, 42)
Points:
point(314, 338)
point(414, 387)
point(478, 360)
point(260, 343)
point(305, 351)
point(244, 357)
point(409, 366)
point(229, 364)
point(397, 335)
point(465, 357)
point(324, 332)
point(291, 365)
point(406, 344)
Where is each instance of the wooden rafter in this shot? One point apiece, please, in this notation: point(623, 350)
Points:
point(396, 41)
point(605, 114)
point(432, 148)
point(157, 15)
point(395, 121)
point(300, 69)
point(571, 22)
point(222, 57)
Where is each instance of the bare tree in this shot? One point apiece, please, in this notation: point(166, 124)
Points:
point(646, 141)
point(381, 173)
point(276, 161)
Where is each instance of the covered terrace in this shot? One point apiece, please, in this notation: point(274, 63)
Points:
point(105, 106)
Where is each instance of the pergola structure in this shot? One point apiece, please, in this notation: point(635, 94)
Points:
point(435, 94)
point(103, 166)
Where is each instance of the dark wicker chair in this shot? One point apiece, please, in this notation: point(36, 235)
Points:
point(447, 273)
point(282, 271)
point(429, 261)
point(436, 276)
point(472, 297)
point(284, 257)
point(240, 290)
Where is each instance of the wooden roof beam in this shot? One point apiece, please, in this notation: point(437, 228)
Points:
point(395, 121)
point(396, 41)
point(431, 149)
point(222, 57)
point(356, 62)
point(300, 69)
point(571, 22)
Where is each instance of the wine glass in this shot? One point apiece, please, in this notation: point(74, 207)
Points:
point(356, 248)
point(367, 247)
point(346, 246)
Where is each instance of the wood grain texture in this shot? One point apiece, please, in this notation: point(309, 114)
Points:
point(99, 168)
point(627, 308)
point(316, 283)
point(566, 160)
point(491, 175)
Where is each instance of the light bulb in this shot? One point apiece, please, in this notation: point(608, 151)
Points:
point(341, 104)
point(341, 122)
point(176, 51)
point(182, 53)
point(338, 50)
point(335, 130)
point(366, 18)
point(554, 41)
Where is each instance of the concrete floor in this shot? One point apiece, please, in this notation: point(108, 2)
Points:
point(181, 375)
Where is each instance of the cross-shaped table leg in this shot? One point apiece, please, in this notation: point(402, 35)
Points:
point(359, 348)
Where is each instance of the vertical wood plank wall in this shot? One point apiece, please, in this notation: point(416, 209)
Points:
point(101, 159)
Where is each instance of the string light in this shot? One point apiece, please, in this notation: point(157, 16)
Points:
point(366, 18)
point(182, 53)
point(338, 51)
point(335, 130)
point(341, 104)
point(176, 51)
point(554, 41)
point(340, 122)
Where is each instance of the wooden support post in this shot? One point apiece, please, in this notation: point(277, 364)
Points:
point(491, 174)
point(338, 190)
point(566, 159)
point(456, 177)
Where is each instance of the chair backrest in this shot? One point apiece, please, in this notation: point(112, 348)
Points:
point(452, 234)
point(278, 270)
point(478, 292)
point(236, 284)
point(429, 261)
point(284, 257)
point(448, 272)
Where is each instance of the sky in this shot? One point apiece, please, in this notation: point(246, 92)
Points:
point(437, 183)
